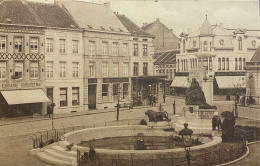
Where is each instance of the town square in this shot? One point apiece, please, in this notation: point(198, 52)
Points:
point(129, 83)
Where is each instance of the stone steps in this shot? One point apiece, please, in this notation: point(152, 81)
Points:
point(46, 158)
point(61, 150)
point(57, 155)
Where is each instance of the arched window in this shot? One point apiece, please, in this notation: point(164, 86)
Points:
point(219, 63)
point(227, 63)
point(223, 63)
point(239, 43)
point(184, 46)
point(205, 46)
point(210, 46)
point(240, 63)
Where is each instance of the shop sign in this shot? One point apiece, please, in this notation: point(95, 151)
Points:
point(112, 80)
point(92, 80)
point(20, 85)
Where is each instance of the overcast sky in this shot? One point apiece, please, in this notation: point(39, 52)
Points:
point(182, 14)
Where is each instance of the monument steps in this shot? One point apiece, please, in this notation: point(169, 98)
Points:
point(61, 150)
point(49, 159)
point(58, 155)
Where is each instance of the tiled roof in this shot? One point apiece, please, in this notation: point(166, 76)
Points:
point(53, 15)
point(94, 16)
point(16, 12)
point(168, 57)
point(256, 56)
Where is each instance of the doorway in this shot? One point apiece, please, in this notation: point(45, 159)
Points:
point(92, 96)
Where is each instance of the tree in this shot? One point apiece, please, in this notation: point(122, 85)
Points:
point(194, 94)
point(228, 126)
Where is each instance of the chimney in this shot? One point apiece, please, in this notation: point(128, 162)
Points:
point(107, 4)
point(157, 20)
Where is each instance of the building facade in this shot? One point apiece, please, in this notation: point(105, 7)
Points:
point(223, 52)
point(165, 39)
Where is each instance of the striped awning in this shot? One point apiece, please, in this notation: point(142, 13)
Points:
point(179, 82)
point(227, 82)
point(13, 97)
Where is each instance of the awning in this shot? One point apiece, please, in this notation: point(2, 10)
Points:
point(227, 82)
point(179, 82)
point(13, 97)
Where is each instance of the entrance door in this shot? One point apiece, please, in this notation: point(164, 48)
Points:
point(92, 96)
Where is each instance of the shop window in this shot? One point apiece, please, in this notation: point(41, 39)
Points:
point(2, 70)
point(115, 48)
point(75, 96)
point(219, 63)
point(2, 43)
point(104, 68)
point(49, 45)
point(125, 90)
point(145, 50)
point(75, 69)
point(49, 69)
point(62, 69)
point(223, 63)
point(115, 69)
point(105, 92)
point(240, 63)
point(34, 45)
point(92, 68)
point(63, 97)
point(135, 73)
point(18, 69)
point(145, 69)
point(104, 48)
point(62, 43)
point(34, 69)
point(125, 69)
point(125, 49)
point(135, 53)
point(75, 46)
point(91, 48)
point(227, 63)
point(18, 44)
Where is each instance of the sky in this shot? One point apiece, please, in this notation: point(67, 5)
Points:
point(180, 15)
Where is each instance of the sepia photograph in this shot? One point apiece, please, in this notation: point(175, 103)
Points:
point(129, 82)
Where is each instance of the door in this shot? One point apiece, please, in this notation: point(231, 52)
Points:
point(92, 96)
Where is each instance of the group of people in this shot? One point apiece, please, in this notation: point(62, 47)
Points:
point(152, 99)
point(242, 99)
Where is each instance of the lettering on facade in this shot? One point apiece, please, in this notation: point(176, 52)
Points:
point(111, 80)
point(20, 85)
point(92, 80)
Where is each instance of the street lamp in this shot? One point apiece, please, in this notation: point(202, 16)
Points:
point(187, 141)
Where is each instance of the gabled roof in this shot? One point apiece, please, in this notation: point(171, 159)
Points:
point(17, 12)
point(168, 57)
point(131, 26)
point(256, 56)
point(206, 28)
point(94, 16)
point(53, 15)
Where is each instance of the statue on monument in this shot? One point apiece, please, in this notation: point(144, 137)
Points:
point(194, 94)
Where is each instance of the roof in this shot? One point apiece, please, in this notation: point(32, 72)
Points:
point(131, 26)
point(17, 12)
point(206, 28)
point(168, 57)
point(52, 15)
point(256, 56)
point(147, 26)
point(94, 16)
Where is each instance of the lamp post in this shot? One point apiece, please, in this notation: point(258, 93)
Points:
point(187, 141)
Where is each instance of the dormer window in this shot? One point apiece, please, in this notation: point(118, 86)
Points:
point(102, 27)
point(221, 41)
point(112, 29)
point(239, 43)
point(90, 27)
point(120, 30)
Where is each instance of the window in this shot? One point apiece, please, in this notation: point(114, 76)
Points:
point(2, 43)
point(244, 63)
point(145, 52)
point(125, 69)
point(105, 92)
point(236, 65)
point(135, 73)
point(125, 49)
point(145, 69)
point(167, 73)
point(18, 44)
point(135, 53)
point(240, 63)
point(49, 45)
point(62, 45)
point(104, 68)
point(125, 90)
point(227, 63)
point(210, 63)
point(183, 46)
point(62, 69)
point(91, 48)
point(219, 63)
point(115, 48)
point(104, 48)
point(205, 46)
point(75, 69)
point(115, 69)
point(2, 70)
point(34, 45)
point(75, 96)
point(49, 69)
point(223, 63)
point(34, 69)
point(210, 46)
point(18, 69)
point(49, 93)
point(170, 73)
point(196, 64)
point(92, 69)
point(239, 43)
point(75, 46)
point(178, 64)
point(63, 97)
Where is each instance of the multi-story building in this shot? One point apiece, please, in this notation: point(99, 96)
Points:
point(64, 57)
point(22, 61)
point(223, 52)
point(165, 39)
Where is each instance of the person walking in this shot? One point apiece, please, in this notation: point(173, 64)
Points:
point(131, 105)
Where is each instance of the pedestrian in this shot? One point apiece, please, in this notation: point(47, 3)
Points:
point(244, 100)
point(49, 109)
point(164, 96)
point(131, 105)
